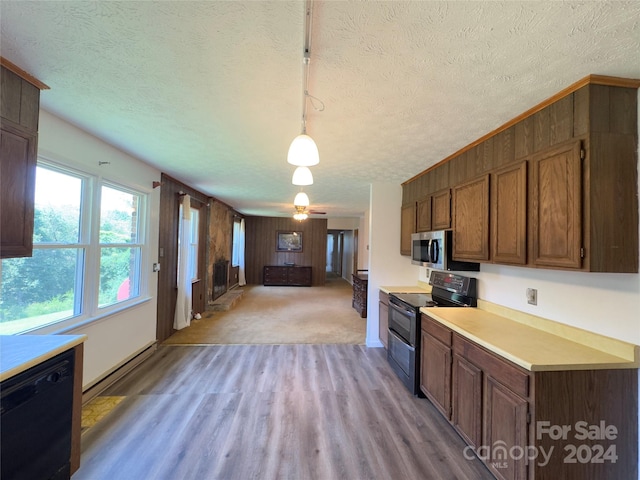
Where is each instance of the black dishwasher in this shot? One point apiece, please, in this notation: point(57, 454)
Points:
point(35, 421)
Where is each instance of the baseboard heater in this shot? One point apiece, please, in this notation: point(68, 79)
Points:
point(118, 372)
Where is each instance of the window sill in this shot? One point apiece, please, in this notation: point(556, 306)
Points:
point(68, 326)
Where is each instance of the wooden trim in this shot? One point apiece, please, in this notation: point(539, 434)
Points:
point(22, 74)
point(590, 79)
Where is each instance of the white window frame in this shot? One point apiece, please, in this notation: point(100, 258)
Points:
point(89, 238)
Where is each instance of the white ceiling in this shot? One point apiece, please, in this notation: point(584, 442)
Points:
point(211, 92)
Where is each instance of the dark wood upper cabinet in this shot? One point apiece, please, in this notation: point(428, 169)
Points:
point(441, 210)
point(423, 214)
point(19, 110)
point(407, 227)
point(509, 214)
point(580, 214)
point(471, 220)
point(556, 210)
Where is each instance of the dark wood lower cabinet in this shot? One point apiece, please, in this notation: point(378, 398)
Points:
point(541, 425)
point(383, 318)
point(293, 276)
point(435, 373)
point(505, 431)
point(466, 402)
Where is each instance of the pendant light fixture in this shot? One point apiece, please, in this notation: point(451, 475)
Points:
point(302, 176)
point(303, 151)
point(301, 200)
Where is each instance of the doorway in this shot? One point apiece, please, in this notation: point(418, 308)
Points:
point(335, 248)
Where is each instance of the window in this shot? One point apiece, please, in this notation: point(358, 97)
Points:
point(192, 260)
point(193, 245)
point(119, 245)
point(235, 252)
point(77, 270)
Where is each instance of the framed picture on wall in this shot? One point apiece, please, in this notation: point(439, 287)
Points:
point(287, 241)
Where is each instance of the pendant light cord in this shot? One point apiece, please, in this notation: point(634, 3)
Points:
point(306, 60)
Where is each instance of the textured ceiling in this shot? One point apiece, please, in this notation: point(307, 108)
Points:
point(211, 92)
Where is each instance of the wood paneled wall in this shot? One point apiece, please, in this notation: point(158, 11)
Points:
point(168, 255)
point(220, 239)
point(261, 246)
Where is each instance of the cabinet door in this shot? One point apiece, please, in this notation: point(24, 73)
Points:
point(466, 400)
point(441, 210)
point(435, 373)
point(423, 216)
point(17, 190)
point(556, 206)
point(407, 227)
point(383, 323)
point(509, 215)
point(471, 220)
point(505, 427)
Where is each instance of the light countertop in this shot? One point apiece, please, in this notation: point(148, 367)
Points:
point(533, 348)
point(21, 352)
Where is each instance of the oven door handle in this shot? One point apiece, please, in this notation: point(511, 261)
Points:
point(397, 336)
point(398, 308)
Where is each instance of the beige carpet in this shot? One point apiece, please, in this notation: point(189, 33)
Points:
point(281, 315)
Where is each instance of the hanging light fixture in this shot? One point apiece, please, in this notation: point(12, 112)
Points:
point(302, 176)
point(300, 203)
point(303, 151)
point(301, 200)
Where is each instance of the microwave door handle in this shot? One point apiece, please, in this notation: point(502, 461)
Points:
point(433, 251)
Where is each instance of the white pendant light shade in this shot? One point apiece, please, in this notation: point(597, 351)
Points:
point(301, 200)
point(303, 152)
point(302, 176)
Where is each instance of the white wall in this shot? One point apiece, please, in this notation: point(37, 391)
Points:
point(343, 223)
point(386, 265)
point(113, 339)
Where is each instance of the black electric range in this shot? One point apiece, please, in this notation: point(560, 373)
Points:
point(403, 353)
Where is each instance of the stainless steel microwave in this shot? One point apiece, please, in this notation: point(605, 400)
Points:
point(434, 249)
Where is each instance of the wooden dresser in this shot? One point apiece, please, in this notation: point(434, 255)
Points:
point(360, 284)
point(287, 275)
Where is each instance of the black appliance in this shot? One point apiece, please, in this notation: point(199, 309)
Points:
point(403, 351)
point(35, 421)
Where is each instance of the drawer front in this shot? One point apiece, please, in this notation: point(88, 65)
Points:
point(511, 376)
point(436, 330)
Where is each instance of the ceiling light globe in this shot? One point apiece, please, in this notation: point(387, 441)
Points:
point(301, 200)
point(302, 176)
point(303, 152)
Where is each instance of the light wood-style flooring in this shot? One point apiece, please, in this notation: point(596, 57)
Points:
point(294, 412)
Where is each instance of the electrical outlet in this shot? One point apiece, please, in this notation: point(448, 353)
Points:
point(532, 296)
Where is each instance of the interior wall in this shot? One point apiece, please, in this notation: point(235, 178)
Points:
point(168, 253)
point(386, 265)
point(113, 339)
point(260, 246)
